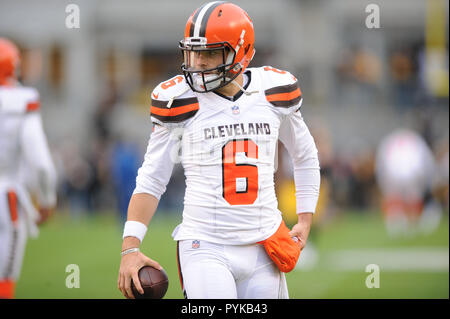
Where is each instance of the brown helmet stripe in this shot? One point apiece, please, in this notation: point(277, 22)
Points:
point(194, 19)
point(206, 18)
point(200, 19)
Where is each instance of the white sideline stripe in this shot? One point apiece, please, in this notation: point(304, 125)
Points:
point(407, 259)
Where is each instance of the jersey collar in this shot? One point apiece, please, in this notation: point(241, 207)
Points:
point(238, 94)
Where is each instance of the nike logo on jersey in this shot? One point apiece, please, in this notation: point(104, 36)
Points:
point(237, 130)
point(155, 96)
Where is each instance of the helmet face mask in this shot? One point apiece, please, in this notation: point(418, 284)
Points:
point(207, 66)
point(217, 47)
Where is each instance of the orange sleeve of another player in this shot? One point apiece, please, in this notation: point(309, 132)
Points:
point(33, 106)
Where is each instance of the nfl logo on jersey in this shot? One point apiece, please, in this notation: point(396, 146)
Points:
point(195, 244)
point(235, 109)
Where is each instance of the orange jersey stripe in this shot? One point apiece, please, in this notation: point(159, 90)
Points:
point(33, 106)
point(12, 202)
point(174, 111)
point(284, 96)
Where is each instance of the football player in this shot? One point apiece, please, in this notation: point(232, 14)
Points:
point(26, 169)
point(227, 119)
point(405, 172)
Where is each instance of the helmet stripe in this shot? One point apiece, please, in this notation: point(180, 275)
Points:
point(202, 18)
point(206, 18)
point(194, 19)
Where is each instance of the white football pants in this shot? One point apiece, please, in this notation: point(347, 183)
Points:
point(13, 236)
point(214, 271)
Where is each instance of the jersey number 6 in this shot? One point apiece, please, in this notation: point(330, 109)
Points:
point(233, 173)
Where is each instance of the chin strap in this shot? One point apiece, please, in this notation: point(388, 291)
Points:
point(234, 82)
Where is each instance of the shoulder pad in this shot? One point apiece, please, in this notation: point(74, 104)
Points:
point(173, 102)
point(281, 90)
point(19, 100)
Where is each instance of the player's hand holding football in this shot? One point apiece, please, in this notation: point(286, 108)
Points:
point(130, 265)
point(302, 228)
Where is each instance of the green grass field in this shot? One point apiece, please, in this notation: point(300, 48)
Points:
point(344, 246)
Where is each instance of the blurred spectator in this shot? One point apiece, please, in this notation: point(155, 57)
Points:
point(359, 75)
point(441, 189)
point(103, 113)
point(340, 180)
point(76, 180)
point(125, 161)
point(362, 179)
point(402, 73)
point(101, 190)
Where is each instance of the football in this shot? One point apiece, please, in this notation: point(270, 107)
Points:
point(154, 282)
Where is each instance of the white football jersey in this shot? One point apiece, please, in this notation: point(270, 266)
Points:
point(23, 145)
point(405, 165)
point(227, 147)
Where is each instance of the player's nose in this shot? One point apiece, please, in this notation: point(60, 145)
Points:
point(201, 60)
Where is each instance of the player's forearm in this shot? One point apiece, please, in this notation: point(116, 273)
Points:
point(142, 207)
point(37, 155)
point(305, 218)
point(300, 144)
point(307, 185)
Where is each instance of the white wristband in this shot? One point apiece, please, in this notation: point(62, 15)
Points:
point(134, 229)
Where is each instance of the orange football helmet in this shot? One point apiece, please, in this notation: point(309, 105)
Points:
point(9, 60)
point(217, 28)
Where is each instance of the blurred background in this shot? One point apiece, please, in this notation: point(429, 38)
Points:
point(359, 85)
